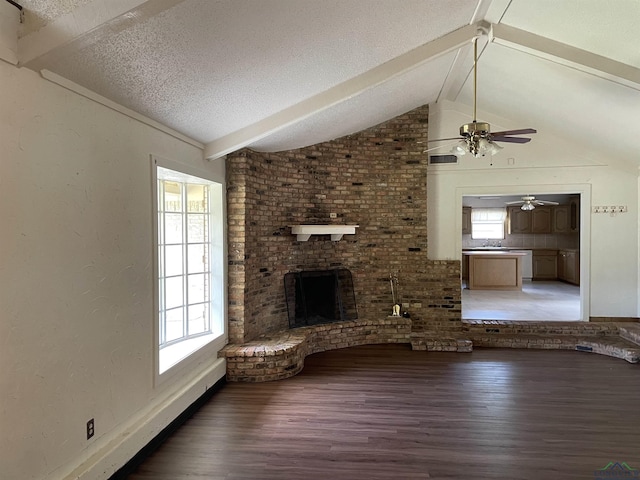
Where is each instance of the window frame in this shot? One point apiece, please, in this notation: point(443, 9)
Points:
point(202, 346)
point(502, 223)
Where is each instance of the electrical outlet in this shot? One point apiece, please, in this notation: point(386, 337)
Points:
point(91, 429)
point(333, 215)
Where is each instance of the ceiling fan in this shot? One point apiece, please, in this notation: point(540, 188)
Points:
point(476, 137)
point(529, 202)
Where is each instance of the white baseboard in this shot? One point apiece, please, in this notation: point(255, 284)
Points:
point(112, 451)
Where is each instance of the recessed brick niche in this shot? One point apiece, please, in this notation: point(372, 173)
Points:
point(375, 179)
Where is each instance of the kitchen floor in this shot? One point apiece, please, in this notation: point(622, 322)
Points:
point(554, 301)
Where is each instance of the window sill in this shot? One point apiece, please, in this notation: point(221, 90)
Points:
point(174, 354)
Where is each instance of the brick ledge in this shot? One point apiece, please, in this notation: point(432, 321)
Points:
point(281, 354)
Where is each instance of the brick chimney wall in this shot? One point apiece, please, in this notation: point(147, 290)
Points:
point(375, 179)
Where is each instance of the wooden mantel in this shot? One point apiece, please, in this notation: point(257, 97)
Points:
point(304, 232)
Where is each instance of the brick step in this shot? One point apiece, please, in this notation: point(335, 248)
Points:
point(613, 346)
point(445, 343)
point(281, 354)
point(478, 327)
point(630, 332)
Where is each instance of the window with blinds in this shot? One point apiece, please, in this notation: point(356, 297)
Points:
point(488, 223)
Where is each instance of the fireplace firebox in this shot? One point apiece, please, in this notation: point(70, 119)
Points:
point(319, 296)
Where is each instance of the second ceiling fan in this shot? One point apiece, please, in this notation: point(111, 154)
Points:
point(476, 137)
point(529, 202)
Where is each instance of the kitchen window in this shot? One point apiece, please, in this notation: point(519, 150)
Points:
point(488, 223)
point(189, 263)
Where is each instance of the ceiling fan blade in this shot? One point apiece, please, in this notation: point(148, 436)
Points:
point(522, 131)
point(510, 139)
point(445, 139)
point(544, 202)
point(517, 202)
point(440, 146)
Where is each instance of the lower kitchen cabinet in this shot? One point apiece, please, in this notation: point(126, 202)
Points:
point(545, 264)
point(569, 266)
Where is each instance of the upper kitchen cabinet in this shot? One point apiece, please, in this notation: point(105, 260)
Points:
point(466, 220)
point(574, 213)
point(541, 220)
point(519, 220)
point(533, 221)
point(560, 219)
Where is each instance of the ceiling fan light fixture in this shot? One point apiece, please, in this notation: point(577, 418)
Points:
point(460, 148)
point(477, 138)
point(493, 148)
point(527, 206)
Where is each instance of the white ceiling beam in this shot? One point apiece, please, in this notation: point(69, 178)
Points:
point(341, 92)
point(84, 26)
point(566, 55)
point(461, 69)
point(9, 22)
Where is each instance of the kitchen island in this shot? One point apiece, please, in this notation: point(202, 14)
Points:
point(494, 269)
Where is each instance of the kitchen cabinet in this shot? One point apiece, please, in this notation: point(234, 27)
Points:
point(541, 220)
point(465, 267)
point(519, 220)
point(466, 220)
point(560, 219)
point(574, 213)
point(529, 221)
point(497, 270)
point(545, 264)
point(569, 266)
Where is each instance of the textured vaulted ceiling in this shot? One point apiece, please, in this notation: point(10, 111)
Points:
point(280, 74)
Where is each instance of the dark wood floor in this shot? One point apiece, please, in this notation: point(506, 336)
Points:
point(386, 412)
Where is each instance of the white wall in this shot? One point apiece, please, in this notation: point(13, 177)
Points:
point(76, 325)
point(609, 244)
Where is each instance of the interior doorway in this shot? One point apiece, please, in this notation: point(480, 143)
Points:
point(546, 229)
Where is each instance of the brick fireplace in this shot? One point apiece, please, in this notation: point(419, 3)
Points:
point(375, 179)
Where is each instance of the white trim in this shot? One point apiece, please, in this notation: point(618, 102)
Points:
point(583, 189)
point(9, 22)
point(85, 25)
point(211, 349)
point(114, 449)
point(85, 92)
point(566, 55)
point(341, 92)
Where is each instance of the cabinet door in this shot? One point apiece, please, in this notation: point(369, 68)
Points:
point(541, 220)
point(519, 220)
point(466, 220)
point(545, 267)
point(574, 214)
point(562, 264)
point(465, 267)
point(576, 268)
point(569, 266)
point(560, 219)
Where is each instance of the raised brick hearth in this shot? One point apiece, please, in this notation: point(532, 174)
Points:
point(281, 354)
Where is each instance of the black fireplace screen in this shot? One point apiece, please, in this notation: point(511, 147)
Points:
point(319, 296)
